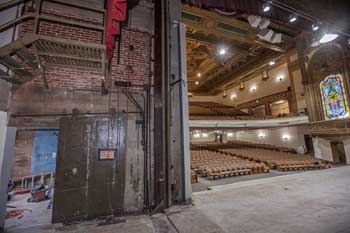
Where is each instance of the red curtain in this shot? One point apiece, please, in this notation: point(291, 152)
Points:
point(116, 13)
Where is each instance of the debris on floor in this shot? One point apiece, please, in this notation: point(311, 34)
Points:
point(17, 213)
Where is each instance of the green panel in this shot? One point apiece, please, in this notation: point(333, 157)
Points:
point(191, 17)
point(229, 27)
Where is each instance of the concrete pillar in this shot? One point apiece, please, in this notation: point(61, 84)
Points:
point(322, 148)
point(179, 148)
point(7, 143)
point(347, 150)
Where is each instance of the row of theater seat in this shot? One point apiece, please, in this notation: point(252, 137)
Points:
point(238, 143)
point(282, 161)
point(215, 165)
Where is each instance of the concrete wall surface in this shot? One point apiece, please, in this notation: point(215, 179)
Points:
point(274, 136)
point(3, 183)
point(7, 141)
point(323, 148)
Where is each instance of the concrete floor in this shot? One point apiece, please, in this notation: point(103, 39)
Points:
point(37, 213)
point(309, 202)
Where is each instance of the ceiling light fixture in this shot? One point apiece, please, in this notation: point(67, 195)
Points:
point(233, 96)
point(222, 51)
point(199, 74)
point(292, 18)
point(196, 82)
point(253, 89)
point(315, 27)
point(279, 102)
point(271, 63)
point(328, 37)
point(266, 7)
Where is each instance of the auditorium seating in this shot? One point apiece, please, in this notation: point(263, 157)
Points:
point(218, 160)
point(203, 114)
point(282, 161)
point(215, 165)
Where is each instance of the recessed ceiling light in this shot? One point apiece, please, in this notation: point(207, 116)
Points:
point(292, 18)
point(199, 74)
point(253, 89)
point(279, 102)
point(271, 63)
point(196, 82)
point(233, 95)
point(328, 38)
point(315, 27)
point(222, 51)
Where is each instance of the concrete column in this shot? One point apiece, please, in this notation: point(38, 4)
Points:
point(7, 143)
point(292, 99)
point(179, 148)
point(347, 150)
point(322, 148)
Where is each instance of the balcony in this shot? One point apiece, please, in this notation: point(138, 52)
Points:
point(330, 127)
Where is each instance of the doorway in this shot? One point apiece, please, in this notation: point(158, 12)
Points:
point(309, 144)
point(338, 152)
point(31, 186)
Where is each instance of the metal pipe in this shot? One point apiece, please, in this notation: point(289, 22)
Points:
point(9, 4)
point(14, 22)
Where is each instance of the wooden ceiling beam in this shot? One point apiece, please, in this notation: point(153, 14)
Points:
point(210, 20)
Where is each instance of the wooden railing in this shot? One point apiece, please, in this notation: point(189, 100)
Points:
point(340, 126)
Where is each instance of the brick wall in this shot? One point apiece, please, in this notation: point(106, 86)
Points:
point(134, 62)
point(23, 153)
point(134, 58)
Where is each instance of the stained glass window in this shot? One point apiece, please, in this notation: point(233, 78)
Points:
point(333, 97)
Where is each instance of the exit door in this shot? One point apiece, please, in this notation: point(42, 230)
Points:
point(338, 152)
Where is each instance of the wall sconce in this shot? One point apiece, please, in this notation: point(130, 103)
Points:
point(225, 94)
point(204, 135)
point(285, 137)
point(241, 86)
point(261, 135)
point(265, 75)
point(197, 135)
point(229, 134)
point(280, 78)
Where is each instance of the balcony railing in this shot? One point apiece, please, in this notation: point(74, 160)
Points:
point(330, 127)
